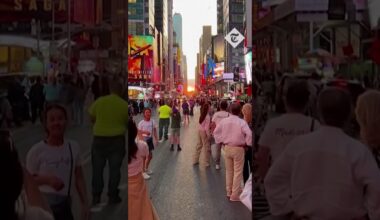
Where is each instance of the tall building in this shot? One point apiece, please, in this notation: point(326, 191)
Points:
point(177, 25)
point(220, 24)
point(233, 15)
point(141, 17)
point(161, 22)
point(206, 41)
point(170, 46)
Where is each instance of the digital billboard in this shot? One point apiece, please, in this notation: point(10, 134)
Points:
point(248, 67)
point(218, 48)
point(140, 58)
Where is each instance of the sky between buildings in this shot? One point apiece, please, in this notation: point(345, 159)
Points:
point(195, 14)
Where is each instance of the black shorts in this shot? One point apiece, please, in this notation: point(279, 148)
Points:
point(186, 111)
point(149, 142)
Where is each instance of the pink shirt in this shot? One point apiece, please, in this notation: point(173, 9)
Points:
point(205, 125)
point(233, 131)
point(136, 165)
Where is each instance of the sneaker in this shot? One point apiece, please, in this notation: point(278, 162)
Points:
point(217, 167)
point(146, 176)
point(149, 172)
point(114, 200)
point(179, 148)
point(172, 148)
point(160, 141)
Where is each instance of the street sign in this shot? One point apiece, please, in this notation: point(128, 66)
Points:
point(234, 38)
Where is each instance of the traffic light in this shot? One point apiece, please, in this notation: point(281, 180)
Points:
point(236, 74)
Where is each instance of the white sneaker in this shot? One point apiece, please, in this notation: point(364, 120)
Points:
point(217, 167)
point(160, 141)
point(146, 176)
point(149, 172)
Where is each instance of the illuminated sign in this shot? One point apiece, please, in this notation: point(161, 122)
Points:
point(33, 6)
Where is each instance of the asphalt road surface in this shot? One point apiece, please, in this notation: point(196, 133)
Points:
point(180, 190)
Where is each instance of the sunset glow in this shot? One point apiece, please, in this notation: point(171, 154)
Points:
point(190, 89)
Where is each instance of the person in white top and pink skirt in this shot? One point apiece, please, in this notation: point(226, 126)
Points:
point(139, 205)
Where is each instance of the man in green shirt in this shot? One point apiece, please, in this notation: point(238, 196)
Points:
point(164, 120)
point(110, 115)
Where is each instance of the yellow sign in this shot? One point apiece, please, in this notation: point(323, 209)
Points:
point(32, 5)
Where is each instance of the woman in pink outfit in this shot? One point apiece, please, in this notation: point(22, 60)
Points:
point(138, 198)
point(204, 137)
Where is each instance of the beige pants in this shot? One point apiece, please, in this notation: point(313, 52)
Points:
point(203, 146)
point(234, 160)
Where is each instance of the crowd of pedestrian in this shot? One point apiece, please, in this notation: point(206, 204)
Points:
point(308, 167)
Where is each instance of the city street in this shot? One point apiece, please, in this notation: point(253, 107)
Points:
point(180, 190)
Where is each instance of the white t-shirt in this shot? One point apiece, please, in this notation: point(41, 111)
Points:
point(218, 116)
point(136, 165)
point(147, 126)
point(281, 130)
point(36, 213)
point(44, 159)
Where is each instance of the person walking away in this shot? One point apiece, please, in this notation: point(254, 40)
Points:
point(204, 138)
point(186, 111)
point(148, 129)
point(234, 133)
point(164, 121)
point(279, 131)
point(217, 117)
point(6, 114)
point(192, 104)
point(248, 160)
point(367, 112)
point(326, 174)
point(176, 129)
point(20, 197)
point(52, 91)
point(141, 106)
point(110, 115)
point(79, 100)
point(37, 99)
point(55, 163)
point(67, 94)
point(138, 197)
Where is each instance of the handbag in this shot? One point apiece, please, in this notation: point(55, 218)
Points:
point(246, 195)
point(61, 205)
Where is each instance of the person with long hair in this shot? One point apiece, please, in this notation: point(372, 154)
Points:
point(139, 205)
point(55, 163)
point(248, 160)
point(216, 118)
point(204, 136)
point(79, 100)
point(175, 129)
point(367, 115)
point(20, 198)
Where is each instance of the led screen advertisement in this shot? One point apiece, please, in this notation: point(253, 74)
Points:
point(218, 48)
point(140, 57)
point(248, 67)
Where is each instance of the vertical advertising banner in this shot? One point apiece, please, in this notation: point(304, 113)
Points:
point(218, 47)
point(140, 58)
